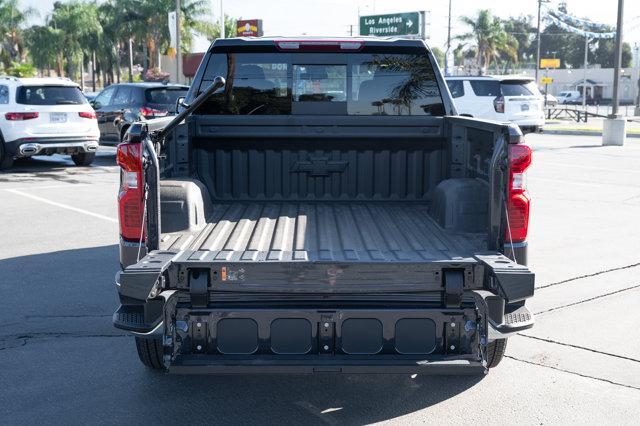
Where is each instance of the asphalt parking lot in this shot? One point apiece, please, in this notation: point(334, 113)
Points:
point(62, 361)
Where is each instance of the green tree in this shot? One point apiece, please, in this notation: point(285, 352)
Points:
point(439, 54)
point(212, 30)
point(82, 31)
point(12, 22)
point(521, 29)
point(152, 31)
point(45, 46)
point(20, 70)
point(489, 39)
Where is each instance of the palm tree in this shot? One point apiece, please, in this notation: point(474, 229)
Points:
point(12, 21)
point(152, 30)
point(45, 46)
point(489, 39)
point(82, 31)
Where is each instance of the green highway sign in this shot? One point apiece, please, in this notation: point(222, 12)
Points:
point(392, 24)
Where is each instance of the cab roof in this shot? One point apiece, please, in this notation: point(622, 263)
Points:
point(273, 40)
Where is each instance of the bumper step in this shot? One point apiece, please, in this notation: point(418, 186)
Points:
point(132, 318)
point(202, 364)
point(514, 322)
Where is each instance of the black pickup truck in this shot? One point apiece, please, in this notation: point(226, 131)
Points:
point(317, 206)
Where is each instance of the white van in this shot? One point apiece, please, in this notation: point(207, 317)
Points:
point(568, 96)
point(502, 98)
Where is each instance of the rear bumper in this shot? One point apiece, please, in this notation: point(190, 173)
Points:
point(208, 325)
point(52, 145)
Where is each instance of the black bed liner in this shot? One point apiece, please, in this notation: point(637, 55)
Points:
point(328, 232)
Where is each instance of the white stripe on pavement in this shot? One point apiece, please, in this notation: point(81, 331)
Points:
point(64, 206)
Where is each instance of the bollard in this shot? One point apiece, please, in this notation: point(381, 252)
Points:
point(614, 131)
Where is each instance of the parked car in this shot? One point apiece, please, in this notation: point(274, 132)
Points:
point(568, 97)
point(90, 96)
point(45, 116)
point(120, 105)
point(503, 98)
point(324, 210)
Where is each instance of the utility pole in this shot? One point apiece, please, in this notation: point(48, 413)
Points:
point(636, 66)
point(222, 29)
point(614, 128)
point(130, 60)
point(93, 71)
point(584, 74)
point(82, 72)
point(447, 71)
point(617, 60)
point(538, 40)
point(178, 49)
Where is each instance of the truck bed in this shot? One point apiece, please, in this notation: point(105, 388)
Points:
point(325, 232)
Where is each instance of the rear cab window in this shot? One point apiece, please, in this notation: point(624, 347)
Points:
point(50, 95)
point(284, 83)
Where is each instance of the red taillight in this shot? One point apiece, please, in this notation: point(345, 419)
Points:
point(19, 116)
point(320, 45)
point(498, 104)
point(150, 112)
point(519, 201)
point(88, 114)
point(131, 194)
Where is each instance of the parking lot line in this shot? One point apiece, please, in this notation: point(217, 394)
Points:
point(64, 206)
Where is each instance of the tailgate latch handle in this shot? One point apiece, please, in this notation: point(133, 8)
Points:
point(453, 287)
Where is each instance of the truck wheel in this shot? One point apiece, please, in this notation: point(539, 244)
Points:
point(83, 158)
point(6, 160)
point(495, 352)
point(150, 352)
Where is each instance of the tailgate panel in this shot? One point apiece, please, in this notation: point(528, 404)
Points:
point(410, 332)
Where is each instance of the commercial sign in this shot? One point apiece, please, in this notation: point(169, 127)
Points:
point(402, 24)
point(546, 80)
point(549, 63)
point(249, 28)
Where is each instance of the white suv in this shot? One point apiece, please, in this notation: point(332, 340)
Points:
point(45, 116)
point(501, 98)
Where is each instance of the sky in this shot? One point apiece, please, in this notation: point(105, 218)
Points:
point(334, 17)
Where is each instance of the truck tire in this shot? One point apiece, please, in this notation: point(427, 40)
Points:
point(6, 160)
point(83, 158)
point(150, 352)
point(495, 352)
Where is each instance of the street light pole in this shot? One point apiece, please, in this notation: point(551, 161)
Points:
point(447, 71)
point(584, 74)
point(614, 128)
point(617, 59)
point(222, 29)
point(538, 37)
point(178, 48)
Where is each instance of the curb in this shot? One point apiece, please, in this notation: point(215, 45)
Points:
point(582, 133)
